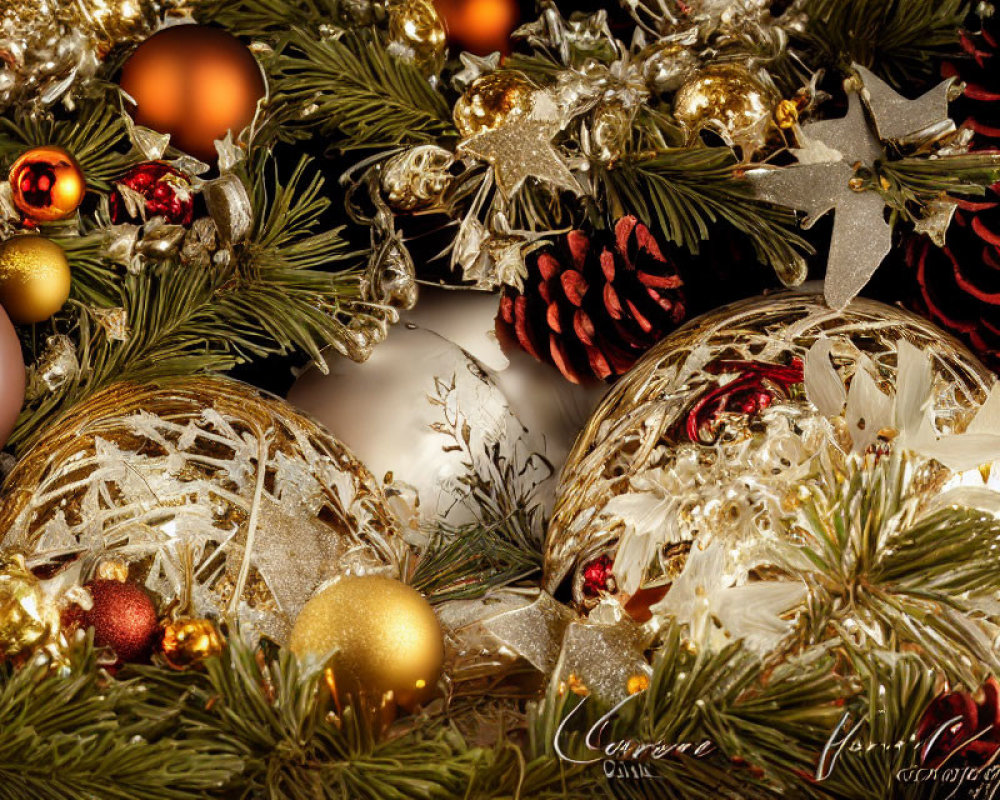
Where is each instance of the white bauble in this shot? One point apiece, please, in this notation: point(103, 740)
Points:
point(439, 405)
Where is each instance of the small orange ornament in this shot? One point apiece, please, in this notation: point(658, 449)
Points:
point(189, 642)
point(479, 26)
point(47, 184)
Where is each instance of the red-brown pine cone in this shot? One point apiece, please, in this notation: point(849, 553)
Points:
point(961, 727)
point(592, 304)
point(165, 189)
point(958, 286)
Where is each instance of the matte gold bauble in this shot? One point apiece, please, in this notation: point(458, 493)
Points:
point(729, 100)
point(416, 28)
point(196, 83)
point(222, 500)
point(34, 278)
point(47, 183)
point(381, 636)
point(491, 99)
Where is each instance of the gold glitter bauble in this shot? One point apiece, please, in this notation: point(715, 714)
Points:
point(381, 635)
point(729, 100)
point(188, 642)
point(417, 30)
point(26, 618)
point(34, 278)
point(222, 499)
point(491, 99)
point(712, 433)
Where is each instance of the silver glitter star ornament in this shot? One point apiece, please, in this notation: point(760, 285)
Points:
point(521, 147)
point(830, 175)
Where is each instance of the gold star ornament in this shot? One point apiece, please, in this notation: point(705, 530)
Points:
point(521, 147)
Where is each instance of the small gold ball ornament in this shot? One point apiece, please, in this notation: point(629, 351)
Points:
point(786, 114)
point(491, 99)
point(188, 642)
point(34, 278)
point(417, 29)
point(26, 618)
point(47, 183)
point(729, 100)
point(382, 637)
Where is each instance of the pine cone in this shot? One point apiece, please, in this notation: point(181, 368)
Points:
point(958, 286)
point(592, 305)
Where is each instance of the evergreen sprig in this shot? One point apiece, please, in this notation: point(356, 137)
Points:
point(911, 583)
point(683, 191)
point(771, 723)
point(899, 40)
point(274, 295)
point(911, 184)
point(279, 722)
point(354, 87)
point(78, 735)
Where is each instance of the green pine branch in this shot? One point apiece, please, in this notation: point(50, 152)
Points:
point(911, 184)
point(280, 724)
point(467, 561)
point(684, 191)
point(79, 735)
point(899, 40)
point(353, 89)
point(267, 18)
point(275, 295)
point(768, 725)
point(911, 584)
point(898, 690)
point(96, 137)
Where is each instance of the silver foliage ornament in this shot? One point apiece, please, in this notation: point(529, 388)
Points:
point(689, 479)
point(836, 170)
point(417, 178)
point(222, 500)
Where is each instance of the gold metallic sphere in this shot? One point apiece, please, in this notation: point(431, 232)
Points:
point(34, 278)
point(25, 617)
point(381, 635)
point(190, 641)
point(490, 99)
point(416, 26)
point(47, 184)
point(727, 99)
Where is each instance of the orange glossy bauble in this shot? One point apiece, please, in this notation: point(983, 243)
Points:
point(479, 26)
point(47, 184)
point(196, 83)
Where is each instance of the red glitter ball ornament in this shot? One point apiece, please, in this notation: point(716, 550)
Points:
point(598, 578)
point(165, 189)
point(123, 617)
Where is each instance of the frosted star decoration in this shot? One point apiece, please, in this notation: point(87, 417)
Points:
point(826, 177)
point(521, 147)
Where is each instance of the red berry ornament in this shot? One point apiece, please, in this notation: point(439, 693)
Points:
point(165, 190)
point(123, 617)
